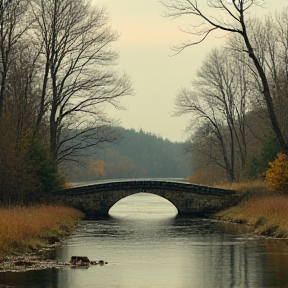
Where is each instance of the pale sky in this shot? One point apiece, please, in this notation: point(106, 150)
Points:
point(144, 48)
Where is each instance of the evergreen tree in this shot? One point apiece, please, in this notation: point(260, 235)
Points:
point(260, 163)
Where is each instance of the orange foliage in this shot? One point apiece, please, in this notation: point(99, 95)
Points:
point(96, 168)
point(277, 174)
point(67, 185)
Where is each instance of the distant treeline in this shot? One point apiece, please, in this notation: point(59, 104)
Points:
point(137, 154)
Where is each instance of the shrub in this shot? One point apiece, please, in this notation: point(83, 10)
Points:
point(277, 174)
point(28, 173)
point(44, 167)
point(17, 180)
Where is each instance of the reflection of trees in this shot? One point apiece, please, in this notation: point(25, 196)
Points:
point(227, 263)
point(277, 257)
point(31, 278)
point(219, 258)
point(245, 263)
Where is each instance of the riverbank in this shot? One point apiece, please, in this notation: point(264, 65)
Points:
point(26, 232)
point(261, 208)
point(28, 229)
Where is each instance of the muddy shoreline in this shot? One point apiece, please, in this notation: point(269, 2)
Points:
point(38, 261)
point(28, 262)
point(35, 262)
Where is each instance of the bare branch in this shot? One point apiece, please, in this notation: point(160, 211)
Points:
point(77, 48)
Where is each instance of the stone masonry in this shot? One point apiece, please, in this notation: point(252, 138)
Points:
point(190, 200)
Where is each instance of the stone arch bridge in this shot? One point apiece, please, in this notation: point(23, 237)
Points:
point(190, 200)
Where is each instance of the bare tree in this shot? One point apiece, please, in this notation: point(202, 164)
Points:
point(206, 157)
point(22, 94)
point(233, 17)
point(276, 62)
point(78, 79)
point(219, 101)
point(14, 23)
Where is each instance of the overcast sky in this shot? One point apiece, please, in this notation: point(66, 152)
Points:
point(144, 48)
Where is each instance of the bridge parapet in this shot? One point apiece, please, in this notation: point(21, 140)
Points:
point(145, 184)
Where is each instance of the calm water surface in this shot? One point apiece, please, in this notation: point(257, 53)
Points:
point(147, 245)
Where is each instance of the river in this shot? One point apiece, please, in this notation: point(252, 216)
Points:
point(147, 245)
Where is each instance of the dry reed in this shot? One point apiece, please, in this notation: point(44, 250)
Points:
point(27, 228)
point(269, 215)
point(261, 207)
point(255, 188)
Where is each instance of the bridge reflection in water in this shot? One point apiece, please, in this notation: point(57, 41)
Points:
point(191, 200)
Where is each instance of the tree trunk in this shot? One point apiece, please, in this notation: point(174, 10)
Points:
point(266, 92)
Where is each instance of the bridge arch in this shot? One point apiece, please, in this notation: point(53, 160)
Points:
point(135, 203)
point(189, 199)
point(119, 195)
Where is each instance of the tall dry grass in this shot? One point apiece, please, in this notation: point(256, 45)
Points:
point(261, 207)
point(269, 215)
point(27, 228)
point(253, 188)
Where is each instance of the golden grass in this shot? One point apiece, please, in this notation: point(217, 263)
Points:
point(253, 188)
point(269, 215)
point(67, 185)
point(261, 207)
point(27, 228)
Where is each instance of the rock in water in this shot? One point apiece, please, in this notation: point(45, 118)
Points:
point(79, 260)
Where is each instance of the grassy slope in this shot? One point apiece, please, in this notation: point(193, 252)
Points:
point(26, 229)
point(266, 211)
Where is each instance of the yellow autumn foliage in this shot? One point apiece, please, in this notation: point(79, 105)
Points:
point(96, 168)
point(277, 174)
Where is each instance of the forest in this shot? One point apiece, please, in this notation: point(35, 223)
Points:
point(137, 154)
